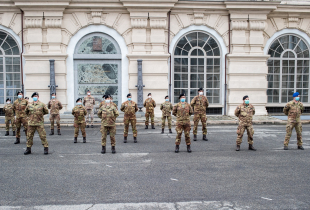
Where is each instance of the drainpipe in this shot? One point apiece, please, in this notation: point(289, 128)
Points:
point(225, 99)
point(170, 99)
point(22, 51)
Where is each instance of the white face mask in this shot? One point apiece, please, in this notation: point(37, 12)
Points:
point(107, 101)
point(200, 93)
point(88, 94)
point(8, 102)
point(150, 96)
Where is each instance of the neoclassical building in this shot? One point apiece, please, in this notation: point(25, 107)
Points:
point(230, 48)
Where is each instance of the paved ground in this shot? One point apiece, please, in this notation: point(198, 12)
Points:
point(149, 175)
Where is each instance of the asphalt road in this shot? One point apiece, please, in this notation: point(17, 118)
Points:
point(149, 175)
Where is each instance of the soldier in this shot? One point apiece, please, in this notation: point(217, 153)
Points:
point(102, 102)
point(108, 114)
point(293, 110)
point(149, 104)
point(200, 103)
point(19, 107)
point(79, 112)
point(89, 102)
point(27, 118)
point(54, 105)
point(245, 114)
point(36, 111)
point(129, 108)
point(9, 117)
point(166, 109)
point(183, 111)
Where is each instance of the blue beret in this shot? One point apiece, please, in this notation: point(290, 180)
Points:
point(296, 94)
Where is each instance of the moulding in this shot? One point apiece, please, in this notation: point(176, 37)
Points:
point(158, 23)
point(53, 22)
point(257, 25)
point(33, 22)
point(239, 25)
point(138, 22)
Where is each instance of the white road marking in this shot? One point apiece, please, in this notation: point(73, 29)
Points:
point(109, 166)
point(174, 179)
point(61, 156)
point(269, 199)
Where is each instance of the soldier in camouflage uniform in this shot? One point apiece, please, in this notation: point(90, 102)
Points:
point(245, 112)
point(9, 117)
point(166, 109)
point(89, 102)
point(293, 110)
point(108, 114)
point(183, 111)
point(79, 112)
point(200, 103)
point(149, 104)
point(130, 108)
point(102, 102)
point(36, 111)
point(19, 107)
point(54, 105)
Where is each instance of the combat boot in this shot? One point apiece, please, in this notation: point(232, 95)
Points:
point(17, 141)
point(251, 147)
point(45, 150)
point(195, 137)
point(238, 148)
point(177, 147)
point(52, 132)
point(84, 139)
point(92, 126)
point(87, 126)
point(204, 137)
point(189, 149)
point(125, 139)
point(75, 140)
point(58, 131)
point(27, 151)
point(103, 150)
point(113, 150)
point(285, 147)
point(153, 126)
point(300, 147)
point(7, 133)
point(135, 139)
point(108, 133)
point(170, 131)
point(146, 127)
point(162, 130)
point(14, 133)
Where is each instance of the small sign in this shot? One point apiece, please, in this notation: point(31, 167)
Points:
point(97, 43)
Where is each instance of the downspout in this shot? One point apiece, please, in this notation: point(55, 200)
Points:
point(22, 50)
point(225, 99)
point(169, 56)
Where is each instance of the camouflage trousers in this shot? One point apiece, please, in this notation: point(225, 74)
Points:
point(147, 116)
point(163, 121)
point(240, 130)
point(203, 119)
point(289, 128)
point(104, 131)
point(7, 123)
point(19, 121)
point(54, 117)
point(77, 127)
point(133, 122)
point(30, 133)
point(90, 113)
point(180, 127)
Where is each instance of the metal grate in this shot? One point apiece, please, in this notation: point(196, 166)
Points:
point(2, 112)
point(215, 111)
point(280, 110)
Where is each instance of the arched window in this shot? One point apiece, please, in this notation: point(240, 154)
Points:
point(10, 79)
point(97, 64)
point(288, 69)
point(197, 59)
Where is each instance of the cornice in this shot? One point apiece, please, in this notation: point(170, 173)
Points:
point(148, 56)
point(238, 5)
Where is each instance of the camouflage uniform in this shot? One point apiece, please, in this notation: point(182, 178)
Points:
point(129, 108)
point(9, 116)
point(200, 103)
point(89, 103)
point(149, 104)
point(183, 113)
point(245, 114)
point(103, 102)
point(19, 107)
point(293, 110)
point(166, 108)
point(36, 112)
point(108, 114)
point(79, 112)
point(54, 105)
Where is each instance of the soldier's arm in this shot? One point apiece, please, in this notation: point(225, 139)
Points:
point(49, 104)
point(136, 107)
point(144, 104)
point(253, 110)
point(193, 102)
point(116, 114)
point(161, 107)
point(94, 101)
point(190, 110)
point(171, 107)
point(27, 111)
point(85, 112)
point(237, 111)
point(99, 113)
point(302, 108)
point(84, 101)
point(45, 110)
point(174, 112)
point(207, 102)
point(123, 108)
point(154, 103)
point(286, 109)
point(60, 105)
point(73, 111)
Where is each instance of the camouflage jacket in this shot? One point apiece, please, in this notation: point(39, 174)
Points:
point(36, 112)
point(245, 114)
point(182, 113)
point(8, 110)
point(108, 114)
point(149, 104)
point(19, 107)
point(54, 105)
point(89, 102)
point(200, 104)
point(79, 112)
point(293, 110)
point(166, 108)
point(129, 108)
point(103, 102)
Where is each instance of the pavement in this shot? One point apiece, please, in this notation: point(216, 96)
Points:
point(149, 175)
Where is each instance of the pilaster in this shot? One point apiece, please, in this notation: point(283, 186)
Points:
point(34, 37)
point(158, 24)
point(53, 22)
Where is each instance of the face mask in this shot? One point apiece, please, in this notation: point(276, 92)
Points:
point(20, 96)
point(182, 99)
point(129, 99)
point(8, 102)
point(88, 94)
point(150, 96)
point(79, 103)
point(167, 99)
point(35, 98)
point(53, 97)
point(247, 101)
point(200, 93)
point(107, 101)
point(297, 98)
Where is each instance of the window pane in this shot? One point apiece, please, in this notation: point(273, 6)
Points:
point(8, 60)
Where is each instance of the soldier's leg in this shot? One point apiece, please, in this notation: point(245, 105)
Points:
point(178, 129)
point(126, 126)
point(289, 128)
point(240, 131)
point(58, 121)
point(134, 127)
point(52, 121)
point(42, 134)
point(7, 124)
point(92, 117)
point(30, 134)
point(112, 135)
point(298, 128)
point(187, 130)
point(82, 126)
point(169, 122)
point(18, 125)
point(147, 115)
point(250, 132)
point(13, 124)
point(196, 121)
point(104, 135)
point(76, 129)
point(163, 122)
point(152, 118)
point(24, 120)
point(203, 118)
point(87, 117)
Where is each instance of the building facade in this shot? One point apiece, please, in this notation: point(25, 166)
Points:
point(230, 48)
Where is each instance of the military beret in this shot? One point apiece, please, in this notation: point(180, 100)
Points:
point(8, 99)
point(53, 93)
point(107, 96)
point(296, 94)
point(18, 92)
point(182, 94)
point(35, 93)
point(26, 97)
point(166, 97)
point(244, 97)
point(79, 99)
point(129, 94)
point(103, 96)
point(88, 90)
point(149, 94)
point(200, 89)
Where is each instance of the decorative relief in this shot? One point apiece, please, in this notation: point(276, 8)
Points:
point(138, 22)
point(96, 14)
point(53, 22)
point(158, 23)
point(257, 25)
point(198, 15)
point(239, 25)
point(293, 19)
point(33, 22)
